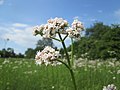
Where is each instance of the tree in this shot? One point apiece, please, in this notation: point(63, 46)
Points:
point(30, 53)
point(45, 42)
point(6, 53)
point(101, 42)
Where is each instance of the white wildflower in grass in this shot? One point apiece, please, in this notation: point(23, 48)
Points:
point(28, 72)
point(15, 67)
point(53, 87)
point(47, 56)
point(114, 77)
point(118, 72)
point(6, 61)
point(110, 87)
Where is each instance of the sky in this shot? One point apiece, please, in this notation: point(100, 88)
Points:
point(18, 17)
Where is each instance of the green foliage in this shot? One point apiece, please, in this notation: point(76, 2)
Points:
point(9, 53)
point(101, 42)
point(30, 53)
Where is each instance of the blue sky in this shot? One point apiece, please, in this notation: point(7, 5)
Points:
point(17, 17)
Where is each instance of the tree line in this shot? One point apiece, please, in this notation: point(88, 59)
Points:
point(9, 53)
point(100, 42)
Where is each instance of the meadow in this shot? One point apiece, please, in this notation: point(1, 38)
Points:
point(24, 74)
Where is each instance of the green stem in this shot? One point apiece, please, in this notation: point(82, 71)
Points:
point(55, 39)
point(69, 64)
point(71, 72)
point(73, 79)
point(72, 51)
point(65, 37)
point(64, 64)
point(67, 56)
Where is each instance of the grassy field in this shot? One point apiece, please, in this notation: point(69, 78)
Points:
point(24, 74)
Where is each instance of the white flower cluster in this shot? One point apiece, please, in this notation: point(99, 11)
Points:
point(51, 28)
point(58, 25)
point(47, 56)
point(109, 87)
point(74, 31)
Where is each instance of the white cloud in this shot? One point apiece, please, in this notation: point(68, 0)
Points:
point(19, 25)
point(117, 13)
point(23, 37)
point(1, 2)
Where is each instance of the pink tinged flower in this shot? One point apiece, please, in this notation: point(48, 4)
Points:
point(41, 27)
point(50, 20)
point(47, 56)
point(35, 30)
point(38, 30)
point(60, 25)
point(77, 24)
point(73, 33)
point(65, 23)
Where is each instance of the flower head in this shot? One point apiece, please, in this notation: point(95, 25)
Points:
point(60, 25)
point(109, 87)
point(77, 25)
point(38, 30)
point(73, 33)
point(51, 28)
point(47, 56)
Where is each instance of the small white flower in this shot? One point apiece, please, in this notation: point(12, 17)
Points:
point(53, 87)
point(118, 72)
point(109, 87)
point(73, 33)
point(47, 56)
point(114, 77)
point(51, 28)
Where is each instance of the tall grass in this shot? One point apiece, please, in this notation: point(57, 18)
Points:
point(24, 74)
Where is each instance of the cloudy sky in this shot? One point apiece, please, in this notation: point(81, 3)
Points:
point(17, 17)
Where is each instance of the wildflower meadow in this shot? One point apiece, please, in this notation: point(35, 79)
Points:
point(60, 45)
point(24, 74)
point(49, 70)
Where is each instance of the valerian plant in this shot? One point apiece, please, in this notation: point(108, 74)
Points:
point(53, 27)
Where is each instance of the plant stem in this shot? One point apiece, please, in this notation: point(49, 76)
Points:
point(65, 37)
point(68, 60)
point(55, 39)
point(64, 64)
point(73, 79)
point(71, 72)
point(72, 51)
point(67, 56)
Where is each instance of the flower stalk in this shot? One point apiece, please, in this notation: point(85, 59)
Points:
point(72, 51)
point(68, 60)
point(49, 56)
